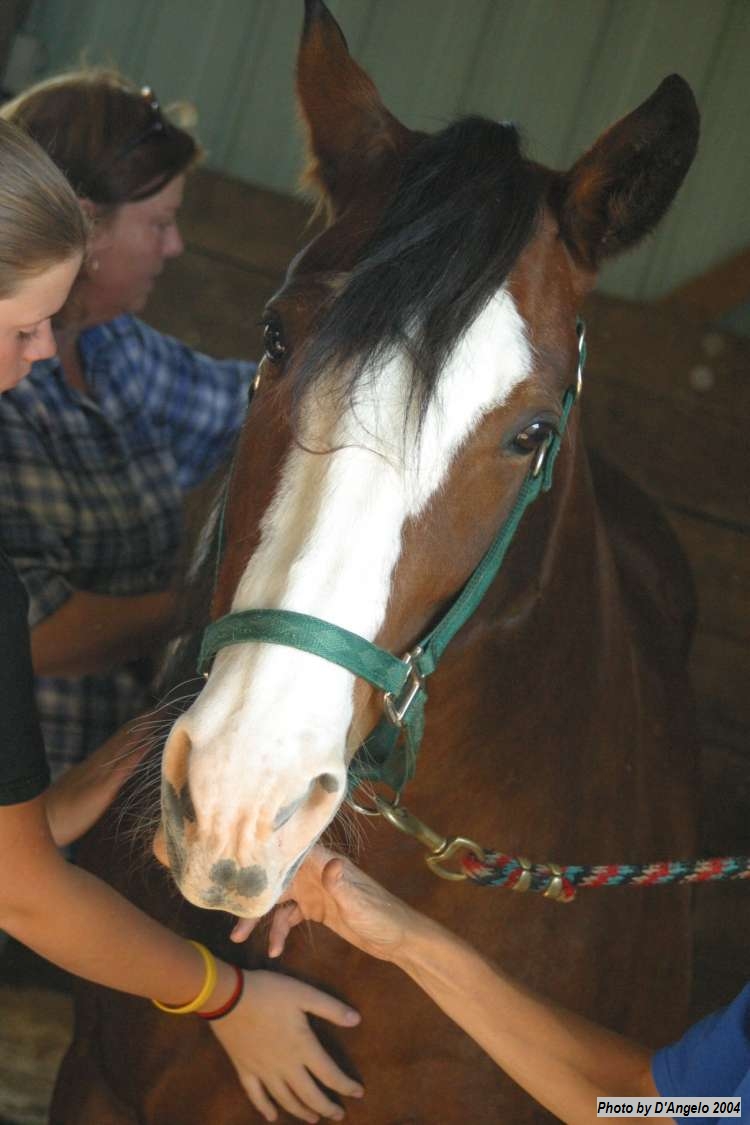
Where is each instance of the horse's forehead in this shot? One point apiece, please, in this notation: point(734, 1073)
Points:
point(320, 269)
point(489, 362)
point(336, 246)
point(542, 277)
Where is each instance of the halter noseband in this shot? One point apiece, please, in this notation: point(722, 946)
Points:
point(390, 753)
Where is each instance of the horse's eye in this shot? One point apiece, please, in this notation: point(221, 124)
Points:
point(273, 341)
point(535, 435)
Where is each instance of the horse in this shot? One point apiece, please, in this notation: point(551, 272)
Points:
point(421, 361)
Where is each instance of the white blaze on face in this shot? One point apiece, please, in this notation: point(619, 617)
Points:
point(271, 719)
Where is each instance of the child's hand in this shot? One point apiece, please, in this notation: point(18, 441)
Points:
point(275, 1051)
point(80, 796)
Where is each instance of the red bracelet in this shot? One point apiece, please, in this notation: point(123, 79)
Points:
point(230, 1004)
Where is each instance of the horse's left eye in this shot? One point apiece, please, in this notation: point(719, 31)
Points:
point(273, 341)
point(535, 435)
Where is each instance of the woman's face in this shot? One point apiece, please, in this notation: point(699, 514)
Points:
point(128, 253)
point(25, 332)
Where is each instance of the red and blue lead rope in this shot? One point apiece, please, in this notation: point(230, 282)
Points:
point(499, 870)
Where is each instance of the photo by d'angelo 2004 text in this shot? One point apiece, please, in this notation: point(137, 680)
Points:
point(669, 1107)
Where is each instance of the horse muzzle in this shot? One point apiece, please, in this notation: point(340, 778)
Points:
point(235, 847)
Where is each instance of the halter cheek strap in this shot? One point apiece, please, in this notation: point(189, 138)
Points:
point(390, 753)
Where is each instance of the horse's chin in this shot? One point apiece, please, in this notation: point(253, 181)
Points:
point(251, 907)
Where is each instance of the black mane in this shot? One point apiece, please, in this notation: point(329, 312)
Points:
point(465, 206)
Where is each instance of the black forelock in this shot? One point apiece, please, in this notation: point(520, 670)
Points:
point(464, 208)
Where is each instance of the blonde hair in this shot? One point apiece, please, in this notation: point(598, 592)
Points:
point(41, 222)
point(110, 137)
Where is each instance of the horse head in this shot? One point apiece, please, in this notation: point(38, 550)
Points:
point(417, 359)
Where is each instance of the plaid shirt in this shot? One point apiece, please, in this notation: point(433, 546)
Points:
point(91, 492)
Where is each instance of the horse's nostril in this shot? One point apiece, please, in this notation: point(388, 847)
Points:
point(187, 807)
point(160, 848)
point(176, 758)
point(309, 801)
point(327, 782)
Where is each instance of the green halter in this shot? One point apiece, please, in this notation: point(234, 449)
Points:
point(390, 753)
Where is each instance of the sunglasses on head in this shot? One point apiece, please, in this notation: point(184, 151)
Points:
point(156, 124)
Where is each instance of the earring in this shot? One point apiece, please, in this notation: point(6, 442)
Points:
point(93, 264)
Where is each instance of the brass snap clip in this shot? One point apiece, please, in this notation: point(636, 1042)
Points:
point(375, 809)
point(441, 848)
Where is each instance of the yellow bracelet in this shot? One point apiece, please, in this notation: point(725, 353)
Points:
point(208, 986)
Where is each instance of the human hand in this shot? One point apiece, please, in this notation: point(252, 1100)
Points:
point(78, 798)
point(275, 1051)
point(331, 890)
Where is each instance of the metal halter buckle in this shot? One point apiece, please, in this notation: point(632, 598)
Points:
point(581, 349)
point(541, 455)
point(396, 709)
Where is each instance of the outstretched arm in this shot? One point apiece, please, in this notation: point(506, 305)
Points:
point(561, 1059)
point(93, 633)
point(81, 924)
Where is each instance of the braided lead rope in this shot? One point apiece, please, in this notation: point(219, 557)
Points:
point(560, 883)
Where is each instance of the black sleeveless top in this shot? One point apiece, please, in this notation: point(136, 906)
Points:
point(23, 765)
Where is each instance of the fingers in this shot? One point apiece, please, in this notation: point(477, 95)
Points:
point(321, 1065)
point(332, 873)
point(260, 1099)
point(340, 876)
point(289, 1101)
point(310, 1095)
point(318, 858)
point(285, 918)
point(301, 1096)
point(321, 1004)
point(243, 927)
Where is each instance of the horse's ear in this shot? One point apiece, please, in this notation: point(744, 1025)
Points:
point(351, 135)
point(620, 189)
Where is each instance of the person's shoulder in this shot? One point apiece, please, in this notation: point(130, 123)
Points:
point(158, 346)
point(741, 1004)
point(125, 333)
point(115, 333)
point(131, 351)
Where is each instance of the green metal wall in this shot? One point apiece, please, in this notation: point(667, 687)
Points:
point(563, 69)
